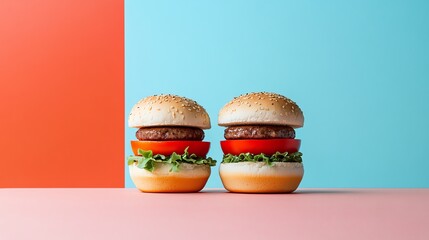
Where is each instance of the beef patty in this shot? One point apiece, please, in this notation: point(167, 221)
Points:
point(169, 133)
point(258, 132)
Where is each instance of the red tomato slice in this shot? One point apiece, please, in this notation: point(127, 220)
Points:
point(166, 148)
point(258, 146)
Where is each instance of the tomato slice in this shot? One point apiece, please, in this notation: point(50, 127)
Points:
point(258, 146)
point(166, 148)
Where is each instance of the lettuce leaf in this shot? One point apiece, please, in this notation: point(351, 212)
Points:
point(147, 160)
point(277, 157)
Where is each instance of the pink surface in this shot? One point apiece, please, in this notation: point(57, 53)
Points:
point(129, 214)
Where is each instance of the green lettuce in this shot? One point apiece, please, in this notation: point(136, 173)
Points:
point(147, 160)
point(277, 157)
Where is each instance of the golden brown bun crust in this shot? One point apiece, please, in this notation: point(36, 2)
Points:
point(261, 108)
point(251, 177)
point(168, 110)
point(189, 178)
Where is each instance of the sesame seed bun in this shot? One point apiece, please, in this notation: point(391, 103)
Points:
point(259, 177)
point(261, 108)
point(168, 110)
point(189, 178)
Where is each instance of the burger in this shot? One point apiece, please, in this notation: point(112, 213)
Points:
point(169, 153)
point(261, 154)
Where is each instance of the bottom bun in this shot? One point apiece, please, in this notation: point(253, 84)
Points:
point(189, 178)
point(259, 177)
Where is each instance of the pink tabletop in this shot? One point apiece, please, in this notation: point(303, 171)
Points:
point(214, 214)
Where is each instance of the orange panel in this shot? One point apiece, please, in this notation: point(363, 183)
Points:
point(61, 93)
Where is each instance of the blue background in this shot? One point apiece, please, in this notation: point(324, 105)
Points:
point(358, 69)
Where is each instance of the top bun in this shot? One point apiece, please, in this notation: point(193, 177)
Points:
point(168, 110)
point(261, 108)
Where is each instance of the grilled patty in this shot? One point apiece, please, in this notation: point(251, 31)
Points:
point(169, 133)
point(258, 132)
